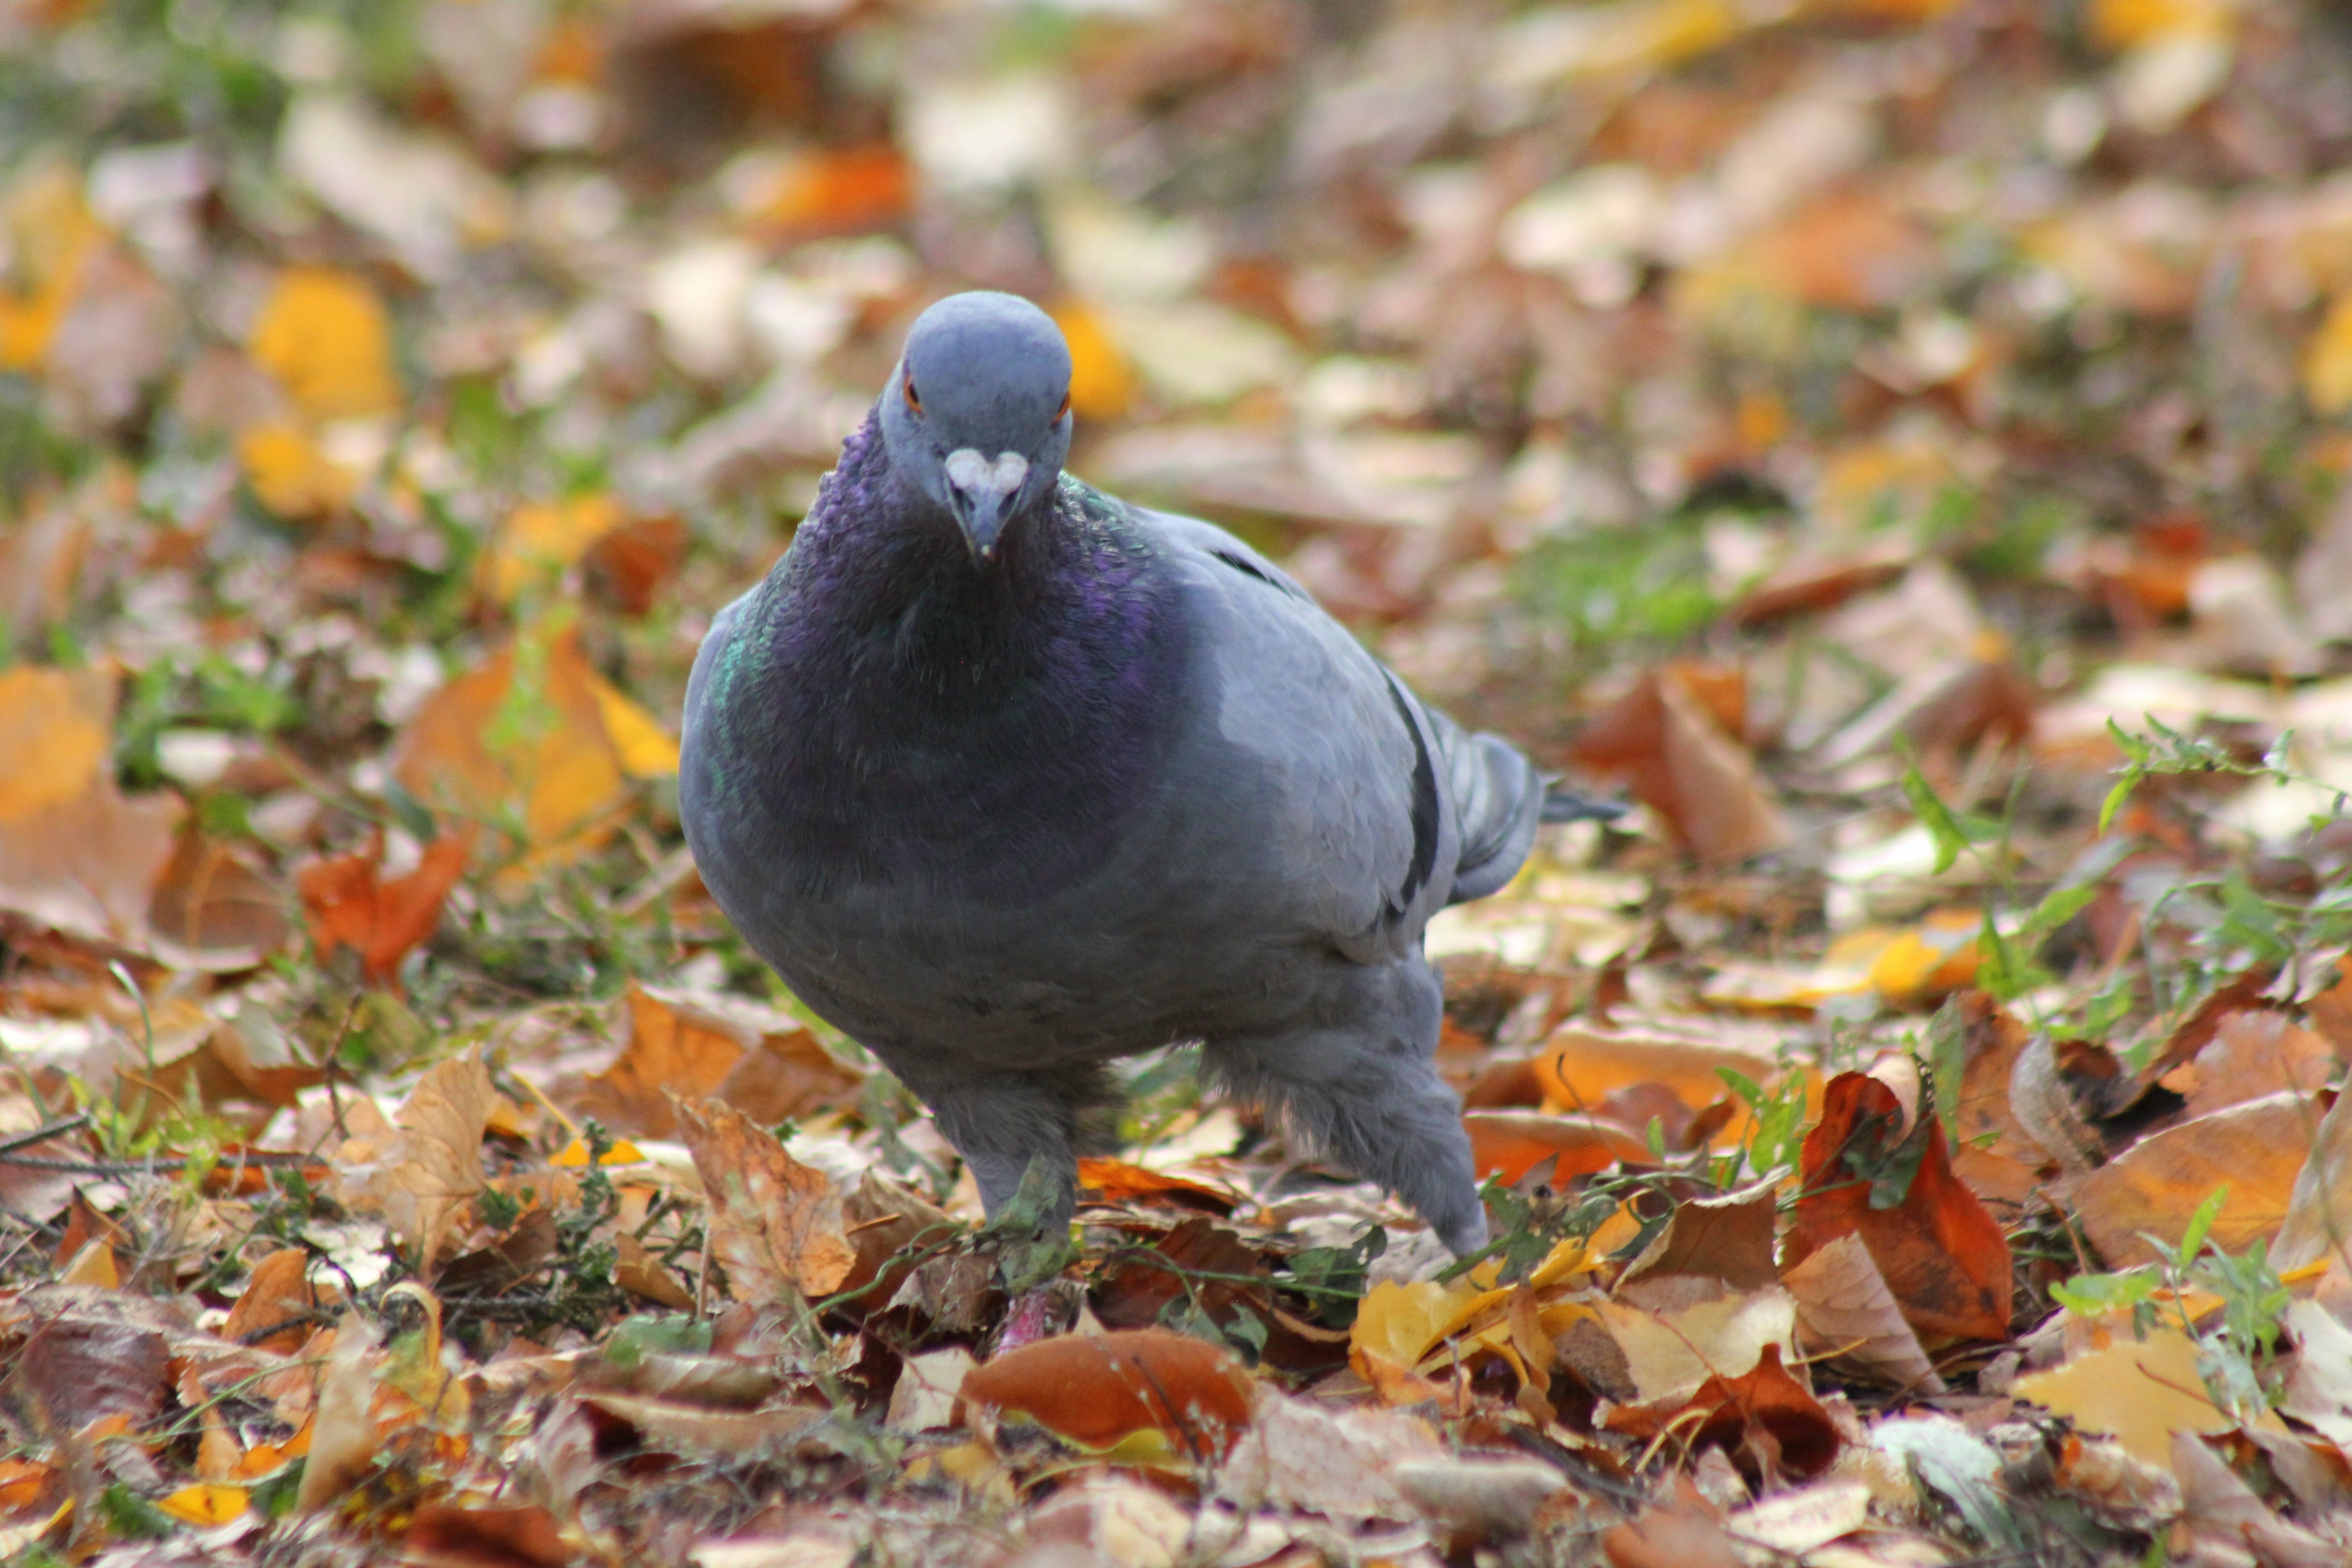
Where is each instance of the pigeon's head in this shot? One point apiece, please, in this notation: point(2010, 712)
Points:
point(977, 413)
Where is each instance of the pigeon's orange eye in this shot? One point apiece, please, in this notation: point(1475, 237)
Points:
point(913, 402)
point(1065, 409)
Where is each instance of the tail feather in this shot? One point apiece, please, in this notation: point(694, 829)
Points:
point(1567, 805)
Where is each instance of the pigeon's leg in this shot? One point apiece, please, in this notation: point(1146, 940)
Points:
point(1355, 1079)
point(1003, 1122)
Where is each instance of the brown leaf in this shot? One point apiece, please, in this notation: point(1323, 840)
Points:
point(348, 906)
point(631, 564)
point(1940, 1253)
point(445, 1535)
point(92, 1353)
point(1681, 1534)
point(1684, 763)
point(2008, 1167)
point(2154, 1186)
point(75, 856)
point(1846, 1310)
point(1727, 1238)
point(275, 1312)
point(776, 1225)
point(2217, 1506)
point(1304, 1455)
point(2253, 1054)
point(2331, 1010)
point(2319, 1207)
point(672, 1047)
point(1581, 1067)
point(1765, 1410)
point(1096, 1389)
point(213, 909)
point(424, 1178)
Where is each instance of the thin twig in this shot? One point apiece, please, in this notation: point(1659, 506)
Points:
point(42, 1134)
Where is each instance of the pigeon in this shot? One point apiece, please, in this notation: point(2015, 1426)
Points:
point(1008, 778)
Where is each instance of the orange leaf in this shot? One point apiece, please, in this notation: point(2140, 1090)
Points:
point(274, 1312)
point(1666, 737)
point(2257, 1149)
point(1939, 1251)
point(1096, 1389)
point(841, 190)
point(1510, 1143)
point(381, 922)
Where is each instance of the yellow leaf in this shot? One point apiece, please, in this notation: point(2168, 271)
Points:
point(2328, 361)
point(644, 750)
point(2142, 1391)
point(206, 1503)
point(48, 234)
point(92, 1267)
point(1398, 1323)
point(2127, 24)
point(1101, 383)
point(289, 474)
point(574, 1154)
point(525, 732)
point(53, 737)
point(543, 539)
point(325, 335)
point(1937, 956)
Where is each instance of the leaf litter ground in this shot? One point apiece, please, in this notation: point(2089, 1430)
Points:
point(1899, 444)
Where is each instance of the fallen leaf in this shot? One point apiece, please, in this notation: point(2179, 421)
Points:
point(325, 335)
point(2319, 1219)
point(275, 1312)
point(1117, 1182)
point(1675, 1344)
point(776, 1225)
point(2253, 1054)
point(541, 540)
point(1795, 1522)
point(206, 1504)
point(1944, 1258)
point(2217, 1507)
point(423, 1178)
point(2140, 1391)
point(845, 190)
point(1846, 1312)
point(75, 855)
point(928, 1389)
point(764, 1065)
point(534, 731)
point(51, 236)
point(1682, 762)
point(1102, 385)
point(1098, 1389)
point(1300, 1454)
point(1727, 1238)
point(1682, 1534)
point(1510, 1143)
point(2257, 1149)
point(1580, 1067)
point(350, 906)
point(214, 909)
point(1764, 1410)
point(448, 1535)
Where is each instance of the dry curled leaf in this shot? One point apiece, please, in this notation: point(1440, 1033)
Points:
point(423, 1176)
point(1845, 1310)
point(776, 1225)
point(1098, 1389)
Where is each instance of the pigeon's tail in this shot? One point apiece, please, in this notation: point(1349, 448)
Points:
point(1567, 805)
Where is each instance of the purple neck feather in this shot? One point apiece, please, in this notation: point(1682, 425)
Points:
point(907, 715)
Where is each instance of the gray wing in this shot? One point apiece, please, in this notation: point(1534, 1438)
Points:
point(1385, 808)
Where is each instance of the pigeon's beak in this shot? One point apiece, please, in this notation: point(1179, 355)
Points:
point(985, 492)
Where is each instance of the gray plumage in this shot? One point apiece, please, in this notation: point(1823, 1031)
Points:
point(1006, 777)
